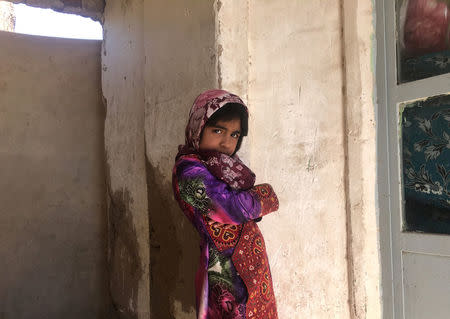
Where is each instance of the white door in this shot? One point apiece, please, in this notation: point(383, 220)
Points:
point(413, 91)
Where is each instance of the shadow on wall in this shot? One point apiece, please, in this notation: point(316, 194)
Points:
point(174, 251)
point(124, 257)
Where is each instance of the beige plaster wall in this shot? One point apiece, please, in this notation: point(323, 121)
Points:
point(232, 36)
point(52, 189)
point(180, 51)
point(123, 90)
point(362, 227)
point(156, 58)
point(297, 144)
point(309, 85)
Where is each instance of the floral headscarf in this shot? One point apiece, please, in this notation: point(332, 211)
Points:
point(230, 169)
point(204, 106)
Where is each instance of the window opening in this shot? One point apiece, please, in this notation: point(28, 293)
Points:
point(46, 22)
point(424, 38)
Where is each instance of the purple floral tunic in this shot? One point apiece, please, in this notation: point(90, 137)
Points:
point(233, 279)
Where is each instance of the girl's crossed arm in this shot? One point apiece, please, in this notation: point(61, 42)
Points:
point(218, 201)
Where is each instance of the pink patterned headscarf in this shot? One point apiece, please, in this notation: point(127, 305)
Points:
point(230, 169)
point(204, 106)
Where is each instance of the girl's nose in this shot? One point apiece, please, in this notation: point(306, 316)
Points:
point(226, 142)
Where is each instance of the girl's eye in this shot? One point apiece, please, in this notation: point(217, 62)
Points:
point(217, 131)
point(235, 135)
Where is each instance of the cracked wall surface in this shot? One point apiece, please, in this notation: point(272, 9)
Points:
point(123, 91)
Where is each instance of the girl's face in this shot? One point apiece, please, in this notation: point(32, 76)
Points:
point(221, 137)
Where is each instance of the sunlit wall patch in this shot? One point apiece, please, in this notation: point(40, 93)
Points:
point(425, 145)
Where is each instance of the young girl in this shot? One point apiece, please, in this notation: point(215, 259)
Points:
point(216, 192)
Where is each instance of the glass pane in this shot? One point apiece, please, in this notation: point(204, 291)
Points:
point(423, 39)
point(425, 131)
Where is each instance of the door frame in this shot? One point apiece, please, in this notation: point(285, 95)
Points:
point(393, 241)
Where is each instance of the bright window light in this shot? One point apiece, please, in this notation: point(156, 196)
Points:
point(46, 22)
